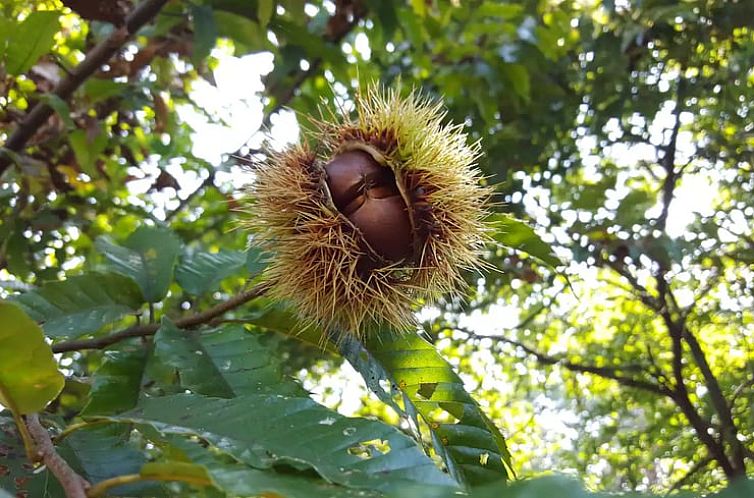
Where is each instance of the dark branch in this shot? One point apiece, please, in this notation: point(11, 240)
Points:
point(727, 424)
point(151, 328)
point(668, 160)
point(612, 373)
point(73, 484)
point(639, 290)
point(98, 56)
point(681, 397)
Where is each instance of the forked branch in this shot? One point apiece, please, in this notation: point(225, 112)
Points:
point(99, 55)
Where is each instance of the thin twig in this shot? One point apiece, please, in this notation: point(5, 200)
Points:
point(102, 487)
point(151, 328)
point(208, 182)
point(73, 484)
point(698, 466)
point(96, 57)
point(607, 372)
point(668, 161)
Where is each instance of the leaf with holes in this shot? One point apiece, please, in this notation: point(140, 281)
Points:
point(148, 256)
point(472, 448)
point(29, 376)
point(82, 304)
point(238, 479)
point(200, 272)
point(17, 474)
point(271, 429)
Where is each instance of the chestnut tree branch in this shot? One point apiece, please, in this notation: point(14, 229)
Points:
point(151, 328)
point(722, 407)
point(668, 160)
point(702, 426)
point(97, 56)
point(73, 484)
point(347, 15)
point(613, 373)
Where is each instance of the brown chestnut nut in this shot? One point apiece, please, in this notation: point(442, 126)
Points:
point(385, 226)
point(350, 173)
point(366, 193)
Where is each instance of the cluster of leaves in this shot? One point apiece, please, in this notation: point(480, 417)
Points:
point(592, 117)
point(212, 405)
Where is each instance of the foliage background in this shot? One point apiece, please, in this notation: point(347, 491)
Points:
point(621, 131)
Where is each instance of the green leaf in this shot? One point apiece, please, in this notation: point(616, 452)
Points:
point(60, 106)
point(103, 452)
point(633, 207)
point(498, 9)
point(267, 429)
point(203, 271)
point(226, 361)
point(148, 256)
point(82, 304)
point(30, 40)
point(245, 33)
point(265, 9)
point(176, 471)
point(385, 10)
point(741, 488)
point(516, 234)
point(419, 7)
point(591, 197)
point(256, 261)
point(117, 383)
point(87, 149)
point(518, 76)
point(97, 89)
point(549, 486)
point(29, 376)
point(314, 46)
point(276, 317)
point(183, 355)
point(205, 32)
point(472, 448)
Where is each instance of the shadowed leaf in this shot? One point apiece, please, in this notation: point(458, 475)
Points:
point(117, 383)
point(82, 304)
point(148, 256)
point(203, 271)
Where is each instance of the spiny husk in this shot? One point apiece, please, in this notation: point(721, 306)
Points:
point(315, 250)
